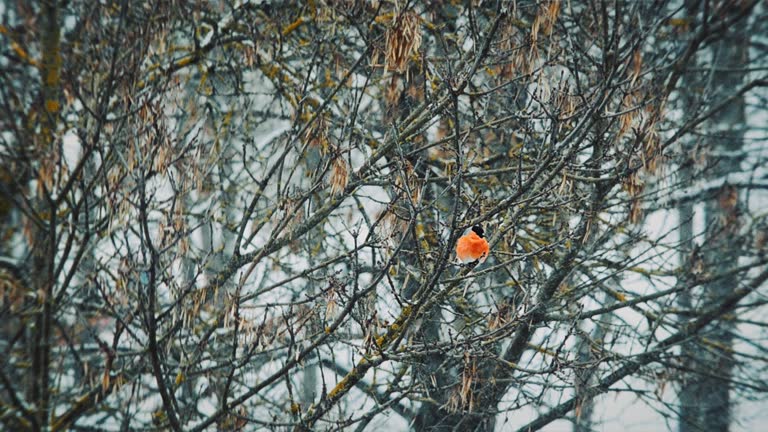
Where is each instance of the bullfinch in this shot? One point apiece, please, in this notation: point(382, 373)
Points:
point(472, 246)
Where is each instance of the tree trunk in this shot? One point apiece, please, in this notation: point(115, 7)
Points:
point(705, 397)
point(44, 238)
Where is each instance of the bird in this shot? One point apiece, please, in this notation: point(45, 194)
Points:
point(472, 246)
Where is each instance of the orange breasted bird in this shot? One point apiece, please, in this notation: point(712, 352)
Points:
point(472, 246)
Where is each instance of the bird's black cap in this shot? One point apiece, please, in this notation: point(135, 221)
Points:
point(478, 230)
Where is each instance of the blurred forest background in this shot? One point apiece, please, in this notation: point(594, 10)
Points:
point(241, 215)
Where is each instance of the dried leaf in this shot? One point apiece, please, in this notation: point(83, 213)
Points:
point(403, 41)
point(339, 176)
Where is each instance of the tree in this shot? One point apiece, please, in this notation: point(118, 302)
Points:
point(705, 394)
point(242, 216)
